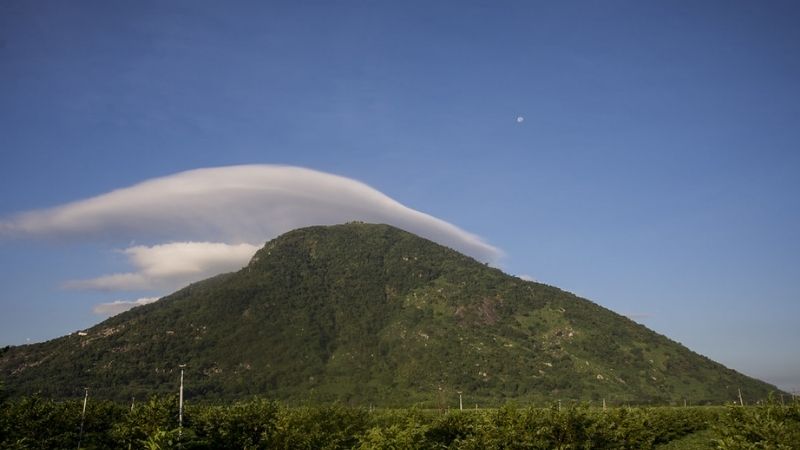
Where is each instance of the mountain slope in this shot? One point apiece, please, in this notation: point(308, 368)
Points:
point(367, 313)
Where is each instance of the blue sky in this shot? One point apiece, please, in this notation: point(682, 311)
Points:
point(656, 171)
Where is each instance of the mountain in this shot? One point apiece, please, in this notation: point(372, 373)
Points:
point(370, 314)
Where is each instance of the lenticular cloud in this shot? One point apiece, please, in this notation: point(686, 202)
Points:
point(170, 266)
point(118, 306)
point(237, 204)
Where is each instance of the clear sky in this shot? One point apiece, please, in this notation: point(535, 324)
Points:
point(643, 155)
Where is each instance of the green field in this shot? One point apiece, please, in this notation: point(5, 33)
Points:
point(37, 423)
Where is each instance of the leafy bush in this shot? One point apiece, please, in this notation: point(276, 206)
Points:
point(769, 425)
point(242, 425)
point(396, 430)
point(37, 423)
point(328, 427)
point(153, 423)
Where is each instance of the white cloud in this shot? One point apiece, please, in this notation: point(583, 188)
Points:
point(250, 203)
point(118, 306)
point(169, 266)
point(114, 282)
point(526, 277)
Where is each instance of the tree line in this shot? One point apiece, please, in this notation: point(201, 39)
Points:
point(34, 422)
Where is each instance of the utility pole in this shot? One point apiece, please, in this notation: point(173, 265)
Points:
point(460, 403)
point(180, 406)
point(441, 400)
point(83, 415)
point(604, 404)
point(741, 402)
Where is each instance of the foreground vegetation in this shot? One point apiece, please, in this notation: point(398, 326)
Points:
point(37, 423)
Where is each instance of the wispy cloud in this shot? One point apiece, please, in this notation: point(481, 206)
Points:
point(169, 266)
point(118, 306)
point(250, 203)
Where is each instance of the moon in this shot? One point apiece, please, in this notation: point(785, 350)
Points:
point(520, 119)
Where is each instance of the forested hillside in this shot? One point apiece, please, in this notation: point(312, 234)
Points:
point(370, 314)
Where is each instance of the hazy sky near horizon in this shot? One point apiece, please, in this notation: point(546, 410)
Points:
point(643, 155)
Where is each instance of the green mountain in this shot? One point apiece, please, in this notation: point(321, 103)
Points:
point(370, 314)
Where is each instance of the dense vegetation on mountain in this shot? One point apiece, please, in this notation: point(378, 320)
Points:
point(369, 314)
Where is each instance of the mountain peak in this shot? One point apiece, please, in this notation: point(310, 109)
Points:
point(369, 313)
